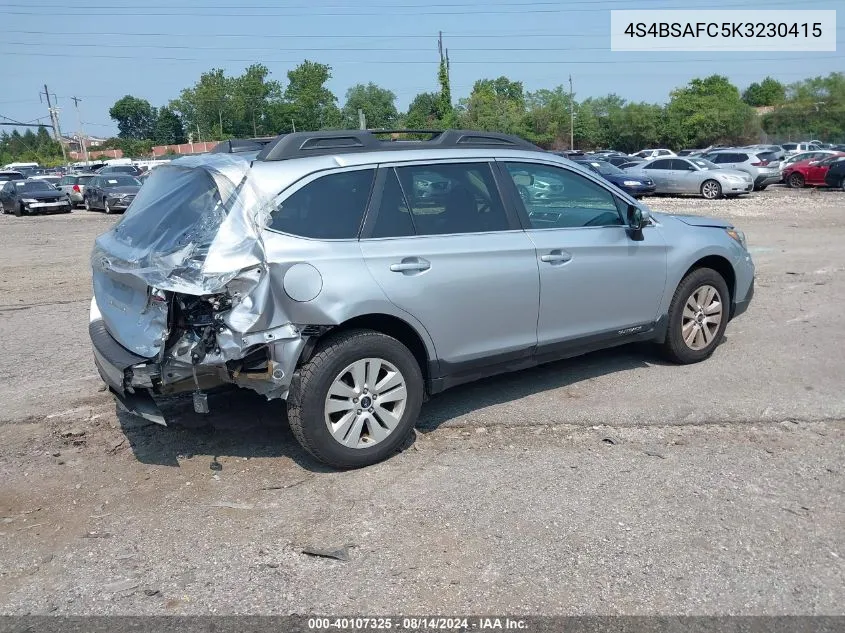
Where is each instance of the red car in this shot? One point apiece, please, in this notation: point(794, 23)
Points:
point(809, 172)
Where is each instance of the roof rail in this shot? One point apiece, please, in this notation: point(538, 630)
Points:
point(303, 144)
point(237, 145)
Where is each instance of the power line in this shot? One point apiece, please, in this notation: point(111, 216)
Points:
point(353, 11)
point(422, 61)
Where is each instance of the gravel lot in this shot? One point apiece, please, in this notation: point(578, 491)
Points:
point(611, 484)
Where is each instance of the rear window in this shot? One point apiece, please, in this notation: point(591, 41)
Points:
point(769, 156)
point(329, 208)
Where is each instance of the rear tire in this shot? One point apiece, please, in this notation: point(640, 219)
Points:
point(693, 333)
point(795, 181)
point(321, 400)
point(711, 190)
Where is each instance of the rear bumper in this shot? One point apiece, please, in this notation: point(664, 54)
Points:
point(767, 179)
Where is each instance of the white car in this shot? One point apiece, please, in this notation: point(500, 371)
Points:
point(796, 148)
point(648, 154)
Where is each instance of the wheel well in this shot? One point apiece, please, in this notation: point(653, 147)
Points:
point(721, 266)
point(394, 327)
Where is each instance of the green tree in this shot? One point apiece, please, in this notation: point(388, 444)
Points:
point(312, 104)
point(252, 96)
point(378, 104)
point(424, 112)
point(768, 92)
point(131, 148)
point(205, 108)
point(547, 117)
point(708, 111)
point(813, 107)
point(448, 117)
point(495, 105)
point(168, 129)
point(135, 117)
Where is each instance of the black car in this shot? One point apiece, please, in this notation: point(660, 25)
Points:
point(7, 175)
point(110, 192)
point(24, 197)
point(835, 176)
point(621, 159)
point(129, 170)
point(632, 185)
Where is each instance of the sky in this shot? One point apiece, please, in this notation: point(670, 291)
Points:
point(101, 50)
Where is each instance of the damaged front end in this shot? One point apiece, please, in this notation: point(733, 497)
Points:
point(180, 290)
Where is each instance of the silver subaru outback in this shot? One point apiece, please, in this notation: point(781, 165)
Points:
point(353, 277)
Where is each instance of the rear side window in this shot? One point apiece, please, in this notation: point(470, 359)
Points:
point(452, 198)
point(329, 208)
point(664, 163)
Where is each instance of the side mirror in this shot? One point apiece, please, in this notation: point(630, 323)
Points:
point(637, 218)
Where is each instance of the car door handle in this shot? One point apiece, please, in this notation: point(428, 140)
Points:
point(411, 264)
point(557, 256)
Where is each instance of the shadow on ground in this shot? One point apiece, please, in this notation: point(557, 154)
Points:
point(244, 424)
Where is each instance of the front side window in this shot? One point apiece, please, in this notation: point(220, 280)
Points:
point(452, 198)
point(682, 165)
point(330, 207)
point(558, 198)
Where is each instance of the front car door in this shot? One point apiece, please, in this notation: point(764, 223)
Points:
point(682, 176)
point(658, 171)
point(817, 172)
point(443, 247)
point(597, 281)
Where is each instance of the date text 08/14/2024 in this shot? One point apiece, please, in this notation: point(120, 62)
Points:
point(418, 624)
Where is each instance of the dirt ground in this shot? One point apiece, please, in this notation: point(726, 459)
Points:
point(609, 484)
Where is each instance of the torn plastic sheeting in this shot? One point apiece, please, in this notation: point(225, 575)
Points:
point(193, 227)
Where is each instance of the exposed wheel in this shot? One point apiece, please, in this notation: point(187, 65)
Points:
point(796, 180)
point(711, 189)
point(698, 316)
point(85, 204)
point(357, 399)
point(106, 207)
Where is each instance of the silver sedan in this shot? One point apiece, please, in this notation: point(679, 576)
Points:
point(693, 176)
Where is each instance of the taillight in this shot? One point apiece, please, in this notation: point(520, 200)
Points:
point(76, 188)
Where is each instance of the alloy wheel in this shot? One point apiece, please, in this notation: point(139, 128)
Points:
point(710, 190)
point(702, 317)
point(365, 403)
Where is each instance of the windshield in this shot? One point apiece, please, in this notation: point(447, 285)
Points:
point(606, 169)
point(703, 164)
point(33, 185)
point(121, 181)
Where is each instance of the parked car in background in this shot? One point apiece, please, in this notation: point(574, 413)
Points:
point(50, 178)
point(619, 159)
point(762, 166)
point(73, 186)
point(654, 153)
point(633, 186)
point(693, 176)
point(7, 175)
point(796, 148)
point(353, 300)
point(131, 170)
point(777, 150)
point(835, 176)
point(110, 192)
point(810, 172)
point(25, 197)
point(815, 154)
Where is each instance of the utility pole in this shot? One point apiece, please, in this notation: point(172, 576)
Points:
point(80, 133)
point(571, 116)
point(54, 117)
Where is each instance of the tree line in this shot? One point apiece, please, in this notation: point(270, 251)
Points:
point(703, 112)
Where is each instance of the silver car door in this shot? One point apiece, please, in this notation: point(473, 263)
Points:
point(657, 170)
point(596, 280)
point(442, 246)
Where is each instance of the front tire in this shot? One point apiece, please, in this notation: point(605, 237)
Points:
point(711, 190)
point(698, 316)
point(19, 210)
point(106, 207)
point(356, 400)
point(796, 181)
point(86, 204)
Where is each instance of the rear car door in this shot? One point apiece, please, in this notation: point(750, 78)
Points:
point(441, 244)
point(658, 171)
point(597, 282)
